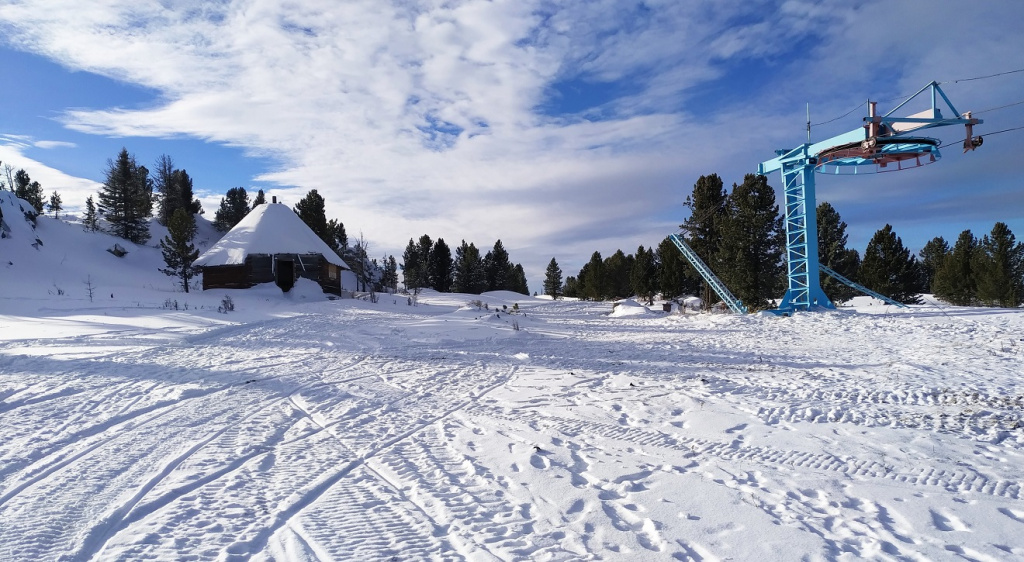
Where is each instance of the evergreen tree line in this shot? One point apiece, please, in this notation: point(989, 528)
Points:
point(430, 264)
point(740, 235)
point(985, 272)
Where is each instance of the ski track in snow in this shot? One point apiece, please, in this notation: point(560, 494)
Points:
point(345, 434)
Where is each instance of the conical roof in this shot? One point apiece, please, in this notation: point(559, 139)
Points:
point(270, 228)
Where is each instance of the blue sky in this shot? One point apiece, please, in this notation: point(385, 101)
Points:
point(559, 127)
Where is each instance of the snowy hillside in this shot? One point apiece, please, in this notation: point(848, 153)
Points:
point(450, 427)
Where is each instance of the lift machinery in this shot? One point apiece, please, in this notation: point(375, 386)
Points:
point(883, 143)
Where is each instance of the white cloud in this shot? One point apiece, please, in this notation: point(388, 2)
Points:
point(413, 117)
point(73, 190)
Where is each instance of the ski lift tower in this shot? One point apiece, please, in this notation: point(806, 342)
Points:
point(883, 144)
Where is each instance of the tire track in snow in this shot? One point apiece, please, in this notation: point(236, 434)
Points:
point(135, 509)
point(82, 465)
point(294, 508)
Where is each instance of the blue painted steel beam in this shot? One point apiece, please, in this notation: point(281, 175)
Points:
point(734, 304)
point(828, 271)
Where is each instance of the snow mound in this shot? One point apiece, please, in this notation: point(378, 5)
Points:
point(629, 307)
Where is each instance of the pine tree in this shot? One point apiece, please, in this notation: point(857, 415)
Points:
point(518, 280)
point(311, 209)
point(673, 279)
point(999, 267)
point(571, 288)
point(553, 280)
point(704, 226)
point(91, 221)
point(497, 268)
point(750, 252)
point(358, 258)
point(55, 205)
point(172, 190)
point(337, 238)
point(126, 198)
point(833, 253)
point(391, 274)
point(469, 272)
point(643, 277)
point(411, 265)
point(390, 278)
point(955, 280)
point(260, 199)
point(424, 247)
point(441, 267)
point(31, 191)
point(593, 279)
point(178, 251)
point(164, 187)
point(186, 197)
point(889, 268)
point(617, 269)
point(233, 208)
point(932, 257)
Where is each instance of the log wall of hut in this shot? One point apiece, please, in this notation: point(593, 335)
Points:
point(260, 268)
point(226, 277)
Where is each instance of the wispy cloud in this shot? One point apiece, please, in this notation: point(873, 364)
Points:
point(49, 144)
point(437, 117)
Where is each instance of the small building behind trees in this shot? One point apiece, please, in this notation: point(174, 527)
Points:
point(271, 244)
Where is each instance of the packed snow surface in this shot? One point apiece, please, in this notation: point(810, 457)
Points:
point(448, 427)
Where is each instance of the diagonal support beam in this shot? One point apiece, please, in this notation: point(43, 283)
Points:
point(712, 280)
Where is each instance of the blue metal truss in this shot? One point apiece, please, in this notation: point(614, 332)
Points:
point(712, 280)
point(828, 271)
point(804, 292)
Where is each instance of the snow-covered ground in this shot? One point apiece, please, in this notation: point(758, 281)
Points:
point(299, 428)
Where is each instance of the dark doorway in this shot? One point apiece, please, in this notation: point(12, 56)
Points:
point(285, 275)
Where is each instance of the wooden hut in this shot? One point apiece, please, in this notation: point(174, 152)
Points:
point(271, 244)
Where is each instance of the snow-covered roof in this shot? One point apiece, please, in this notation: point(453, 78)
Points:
point(271, 228)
